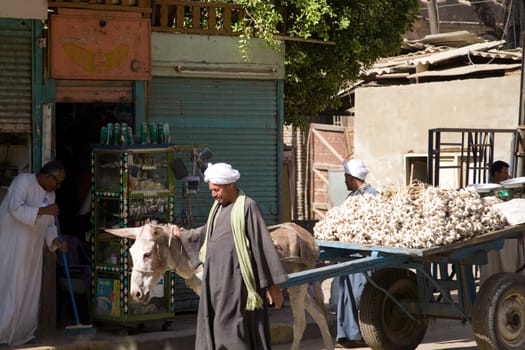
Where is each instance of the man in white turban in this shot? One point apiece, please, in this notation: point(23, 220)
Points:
point(356, 168)
point(240, 264)
point(355, 177)
point(221, 174)
point(351, 286)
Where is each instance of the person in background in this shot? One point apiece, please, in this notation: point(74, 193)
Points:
point(351, 286)
point(499, 171)
point(240, 264)
point(511, 257)
point(27, 220)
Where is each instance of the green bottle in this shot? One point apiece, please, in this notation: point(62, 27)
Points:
point(103, 135)
point(153, 133)
point(143, 133)
point(504, 194)
point(116, 134)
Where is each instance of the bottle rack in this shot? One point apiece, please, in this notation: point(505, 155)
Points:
point(130, 186)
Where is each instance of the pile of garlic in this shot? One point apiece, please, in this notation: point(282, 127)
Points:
point(415, 216)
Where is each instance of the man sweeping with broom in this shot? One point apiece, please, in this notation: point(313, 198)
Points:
point(27, 220)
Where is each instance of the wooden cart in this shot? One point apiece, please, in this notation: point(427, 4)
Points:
point(408, 287)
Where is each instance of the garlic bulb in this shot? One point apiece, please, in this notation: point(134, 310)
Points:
point(415, 216)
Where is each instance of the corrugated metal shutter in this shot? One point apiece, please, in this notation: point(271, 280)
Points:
point(15, 75)
point(237, 119)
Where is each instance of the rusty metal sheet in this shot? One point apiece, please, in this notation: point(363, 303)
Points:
point(100, 45)
point(94, 91)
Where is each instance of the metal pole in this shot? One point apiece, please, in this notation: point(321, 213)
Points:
point(430, 158)
point(519, 152)
point(433, 16)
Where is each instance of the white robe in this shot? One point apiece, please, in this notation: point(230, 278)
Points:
point(22, 236)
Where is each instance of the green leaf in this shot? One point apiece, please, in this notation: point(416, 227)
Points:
point(363, 31)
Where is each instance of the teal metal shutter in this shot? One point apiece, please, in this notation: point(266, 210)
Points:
point(16, 75)
point(238, 120)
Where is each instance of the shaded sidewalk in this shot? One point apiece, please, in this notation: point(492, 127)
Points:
point(180, 335)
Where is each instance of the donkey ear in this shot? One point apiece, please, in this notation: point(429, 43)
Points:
point(173, 230)
point(126, 232)
point(159, 230)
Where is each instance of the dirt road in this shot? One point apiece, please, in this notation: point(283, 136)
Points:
point(441, 334)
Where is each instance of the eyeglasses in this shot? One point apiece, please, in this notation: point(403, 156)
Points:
point(59, 182)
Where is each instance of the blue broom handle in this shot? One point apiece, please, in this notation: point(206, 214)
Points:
point(66, 267)
point(71, 293)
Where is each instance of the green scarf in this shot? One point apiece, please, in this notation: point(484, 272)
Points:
point(242, 248)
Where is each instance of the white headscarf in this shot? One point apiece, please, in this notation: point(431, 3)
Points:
point(221, 174)
point(356, 168)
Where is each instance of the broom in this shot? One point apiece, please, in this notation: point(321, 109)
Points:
point(78, 328)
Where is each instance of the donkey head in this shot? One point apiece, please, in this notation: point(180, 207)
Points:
point(150, 255)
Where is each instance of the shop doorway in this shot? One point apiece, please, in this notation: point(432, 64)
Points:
point(77, 127)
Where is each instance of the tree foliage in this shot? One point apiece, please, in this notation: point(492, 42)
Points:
point(352, 35)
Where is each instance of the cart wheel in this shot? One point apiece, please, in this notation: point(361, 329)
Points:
point(166, 325)
point(383, 325)
point(498, 314)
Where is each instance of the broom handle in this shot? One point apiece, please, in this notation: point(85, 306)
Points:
point(71, 293)
point(66, 267)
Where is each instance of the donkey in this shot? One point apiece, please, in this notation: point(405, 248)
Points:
point(156, 249)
